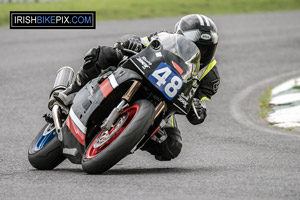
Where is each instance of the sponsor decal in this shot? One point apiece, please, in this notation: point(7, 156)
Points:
point(52, 20)
point(192, 92)
point(205, 36)
point(216, 86)
point(158, 54)
point(183, 99)
point(145, 63)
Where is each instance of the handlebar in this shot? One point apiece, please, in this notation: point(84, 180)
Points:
point(129, 51)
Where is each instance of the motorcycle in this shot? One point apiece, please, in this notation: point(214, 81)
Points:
point(116, 113)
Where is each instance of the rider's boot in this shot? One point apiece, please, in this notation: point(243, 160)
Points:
point(168, 149)
point(66, 97)
point(88, 71)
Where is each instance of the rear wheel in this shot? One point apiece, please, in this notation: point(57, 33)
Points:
point(109, 147)
point(45, 152)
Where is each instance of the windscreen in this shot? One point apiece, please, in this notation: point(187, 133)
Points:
point(185, 49)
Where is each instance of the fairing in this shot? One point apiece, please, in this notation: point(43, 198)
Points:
point(151, 60)
point(85, 104)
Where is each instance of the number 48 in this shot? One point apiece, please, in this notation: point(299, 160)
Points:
point(171, 89)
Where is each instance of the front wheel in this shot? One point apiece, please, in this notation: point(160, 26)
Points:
point(45, 152)
point(109, 147)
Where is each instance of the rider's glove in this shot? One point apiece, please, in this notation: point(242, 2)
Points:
point(133, 44)
point(197, 113)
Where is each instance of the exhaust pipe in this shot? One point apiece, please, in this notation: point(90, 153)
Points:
point(57, 121)
point(64, 78)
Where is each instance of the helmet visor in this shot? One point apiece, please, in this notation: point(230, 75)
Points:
point(207, 52)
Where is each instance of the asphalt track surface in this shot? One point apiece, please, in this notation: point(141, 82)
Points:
point(233, 155)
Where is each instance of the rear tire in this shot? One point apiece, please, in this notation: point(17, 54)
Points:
point(104, 152)
point(45, 152)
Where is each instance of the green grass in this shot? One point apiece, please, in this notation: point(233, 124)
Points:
point(264, 105)
point(297, 87)
point(129, 9)
point(289, 129)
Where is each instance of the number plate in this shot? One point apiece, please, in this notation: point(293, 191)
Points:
point(166, 80)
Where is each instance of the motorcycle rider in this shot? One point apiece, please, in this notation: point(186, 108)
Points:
point(199, 29)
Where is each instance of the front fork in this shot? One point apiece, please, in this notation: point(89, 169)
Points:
point(116, 112)
point(126, 98)
point(155, 135)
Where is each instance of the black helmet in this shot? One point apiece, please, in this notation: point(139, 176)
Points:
point(203, 32)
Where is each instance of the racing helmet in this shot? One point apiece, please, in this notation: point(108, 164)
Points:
point(203, 32)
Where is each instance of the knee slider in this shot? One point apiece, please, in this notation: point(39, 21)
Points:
point(173, 144)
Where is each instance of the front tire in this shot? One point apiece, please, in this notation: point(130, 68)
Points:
point(108, 148)
point(45, 152)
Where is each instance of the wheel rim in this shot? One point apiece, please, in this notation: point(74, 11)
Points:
point(104, 139)
point(45, 138)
